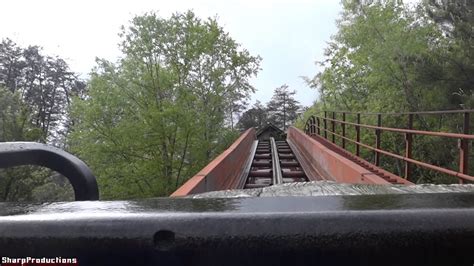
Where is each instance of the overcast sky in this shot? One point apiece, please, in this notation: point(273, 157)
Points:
point(289, 35)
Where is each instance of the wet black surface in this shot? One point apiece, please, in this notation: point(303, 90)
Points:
point(158, 206)
point(401, 229)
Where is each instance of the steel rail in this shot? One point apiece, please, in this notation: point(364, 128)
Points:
point(397, 156)
point(276, 168)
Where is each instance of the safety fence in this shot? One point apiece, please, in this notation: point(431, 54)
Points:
point(334, 124)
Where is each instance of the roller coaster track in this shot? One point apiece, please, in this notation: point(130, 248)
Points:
point(321, 152)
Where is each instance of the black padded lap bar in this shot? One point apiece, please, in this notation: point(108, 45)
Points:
point(408, 229)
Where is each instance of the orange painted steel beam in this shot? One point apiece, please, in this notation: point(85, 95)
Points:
point(224, 171)
point(334, 163)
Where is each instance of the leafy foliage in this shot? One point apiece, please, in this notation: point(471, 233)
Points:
point(159, 115)
point(35, 92)
point(283, 107)
point(44, 84)
point(256, 117)
point(387, 57)
point(282, 111)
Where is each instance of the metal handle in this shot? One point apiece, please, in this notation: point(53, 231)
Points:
point(31, 153)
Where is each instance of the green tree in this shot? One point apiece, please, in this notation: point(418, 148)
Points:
point(382, 51)
point(456, 59)
point(25, 183)
point(256, 117)
point(14, 118)
point(390, 58)
point(45, 84)
point(11, 64)
point(35, 91)
point(155, 118)
point(283, 107)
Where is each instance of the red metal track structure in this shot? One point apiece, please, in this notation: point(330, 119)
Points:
point(322, 158)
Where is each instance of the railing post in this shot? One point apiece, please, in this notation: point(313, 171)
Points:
point(358, 135)
point(377, 139)
point(408, 147)
point(325, 125)
point(313, 131)
point(318, 123)
point(310, 125)
point(343, 130)
point(333, 127)
point(464, 149)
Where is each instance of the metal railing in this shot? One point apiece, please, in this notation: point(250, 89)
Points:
point(319, 125)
